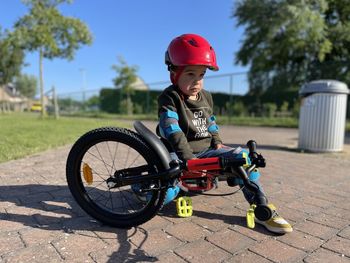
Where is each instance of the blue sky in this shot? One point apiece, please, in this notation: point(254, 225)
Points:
point(140, 32)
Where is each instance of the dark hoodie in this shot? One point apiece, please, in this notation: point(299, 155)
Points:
point(195, 119)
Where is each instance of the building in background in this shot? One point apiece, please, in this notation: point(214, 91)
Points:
point(12, 100)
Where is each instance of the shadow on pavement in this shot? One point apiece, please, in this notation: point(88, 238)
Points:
point(52, 208)
point(169, 211)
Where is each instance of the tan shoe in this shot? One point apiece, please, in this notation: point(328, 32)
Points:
point(276, 223)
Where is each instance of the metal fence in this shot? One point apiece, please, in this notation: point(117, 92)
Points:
point(85, 100)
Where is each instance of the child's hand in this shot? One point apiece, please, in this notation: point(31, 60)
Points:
point(218, 146)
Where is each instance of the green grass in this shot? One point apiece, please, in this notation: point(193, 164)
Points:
point(25, 134)
point(104, 115)
point(287, 122)
point(259, 121)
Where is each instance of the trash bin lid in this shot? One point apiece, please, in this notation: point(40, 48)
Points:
point(324, 86)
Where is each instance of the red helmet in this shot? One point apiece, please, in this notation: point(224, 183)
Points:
point(190, 49)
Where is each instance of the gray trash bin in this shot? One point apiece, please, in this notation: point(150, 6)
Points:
point(322, 116)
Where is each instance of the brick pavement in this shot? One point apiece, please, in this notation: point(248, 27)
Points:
point(40, 221)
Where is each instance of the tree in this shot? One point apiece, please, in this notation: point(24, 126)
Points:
point(93, 102)
point(50, 33)
point(126, 76)
point(11, 58)
point(26, 85)
point(290, 42)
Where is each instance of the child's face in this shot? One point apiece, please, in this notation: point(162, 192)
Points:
point(190, 81)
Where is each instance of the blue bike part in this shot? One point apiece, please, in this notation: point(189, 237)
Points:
point(168, 123)
point(253, 176)
point(212, 127)
point(171, 194)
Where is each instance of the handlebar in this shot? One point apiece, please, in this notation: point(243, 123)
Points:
point(255, 158)
point(218, 163)
point(127, 176)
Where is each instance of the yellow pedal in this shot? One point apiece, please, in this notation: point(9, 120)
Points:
point(245, 156)
point(184, 206)
point(87, 172)
point(251, 217)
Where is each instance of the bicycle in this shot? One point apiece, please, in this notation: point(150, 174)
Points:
point(123, 178)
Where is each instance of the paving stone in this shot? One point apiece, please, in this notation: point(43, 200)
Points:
point(112, 235)
point(52, 217)
point(328, 197)
point(316, 229)
point(247, 257)
point(155, 242)
point(301, 240)
point(78, 245)
point(38, 254)
point(78, 223)
point(211, 221)
point(230, 240)
point(170, 257)
point(36, 236)
point(217, 201)
point(41, 222)
point(14, 223)
point(322, 255)
point(338, 212)
point(187, 231)
point(345, 233)
point(259, 233)
point(35, 198)
point(303, 207)
point(9, 242)
point(202, 251)
point(122, 252)
point(55, 205)
point(292, 215)
point(169, 213)
point(156, 222)
point(329, 220)
point(277, 251)
point(339, 245)
point(317, 202)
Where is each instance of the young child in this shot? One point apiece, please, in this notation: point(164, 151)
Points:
point(186, 117)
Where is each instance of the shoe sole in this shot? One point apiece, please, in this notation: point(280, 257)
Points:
point(276, 230)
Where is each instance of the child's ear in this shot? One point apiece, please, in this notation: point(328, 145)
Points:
point(173, 76)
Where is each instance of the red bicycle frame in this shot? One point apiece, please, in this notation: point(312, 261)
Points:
point(197, 169)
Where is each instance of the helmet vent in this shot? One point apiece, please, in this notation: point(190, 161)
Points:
point(193, 42)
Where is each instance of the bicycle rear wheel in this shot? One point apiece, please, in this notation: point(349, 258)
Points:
point(95, 158)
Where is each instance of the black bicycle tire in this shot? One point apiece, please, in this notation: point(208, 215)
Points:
point(76, 187)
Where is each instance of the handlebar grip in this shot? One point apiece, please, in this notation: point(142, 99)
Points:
point(251, 145)
point(252, 148)
point(230, 162)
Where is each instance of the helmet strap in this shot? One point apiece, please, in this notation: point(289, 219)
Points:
point(175, 73)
